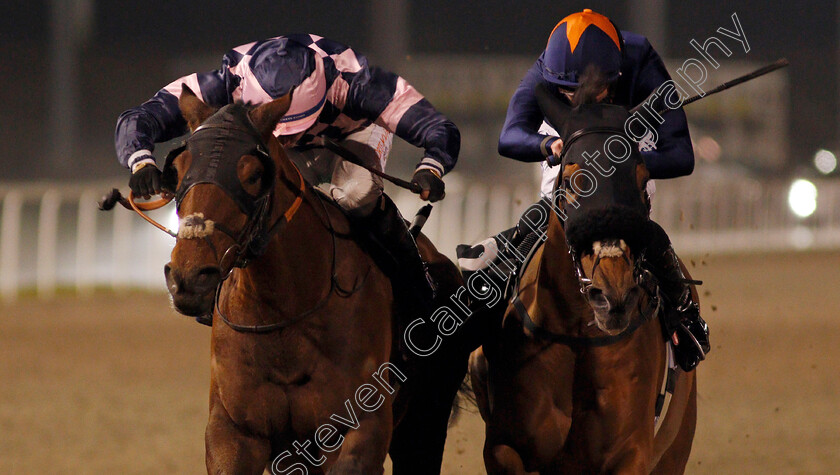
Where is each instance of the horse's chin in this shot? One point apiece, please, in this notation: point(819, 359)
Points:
point(193, 305)
point(612, 324)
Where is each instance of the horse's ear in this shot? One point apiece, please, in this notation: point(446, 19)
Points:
point(192, 108)
point(554, 109)
point(266, 116)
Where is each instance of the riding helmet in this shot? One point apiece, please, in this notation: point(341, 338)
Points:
point(579, 40)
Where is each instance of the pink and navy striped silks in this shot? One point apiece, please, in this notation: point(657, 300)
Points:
point(336, 82)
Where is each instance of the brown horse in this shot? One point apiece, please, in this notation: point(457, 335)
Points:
point(572, 381)
point(303, 332)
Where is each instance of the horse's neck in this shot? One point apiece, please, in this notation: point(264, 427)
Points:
point(298, 259)
point(557, 279)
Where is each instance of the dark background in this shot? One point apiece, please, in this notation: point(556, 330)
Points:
point(130, 48)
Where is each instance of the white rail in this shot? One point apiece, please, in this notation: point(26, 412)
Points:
point(52, 236)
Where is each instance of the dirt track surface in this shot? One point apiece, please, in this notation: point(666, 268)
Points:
point(119, 383)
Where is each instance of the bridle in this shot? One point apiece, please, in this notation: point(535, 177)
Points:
point(642, 277)
point(253, 239)
point(578, 134)
point(208, 167)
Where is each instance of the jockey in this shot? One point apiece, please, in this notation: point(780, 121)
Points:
point(633, 71)
point(336, 95)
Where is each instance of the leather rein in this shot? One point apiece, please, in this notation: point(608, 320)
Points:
point(642, 276)
point(252, 240)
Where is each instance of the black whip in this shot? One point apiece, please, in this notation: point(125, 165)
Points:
point(778, 64)
point(355, 160)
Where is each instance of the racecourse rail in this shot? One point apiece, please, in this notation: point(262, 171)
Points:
point(52, 236)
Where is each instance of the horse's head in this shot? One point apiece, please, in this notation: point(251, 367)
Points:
point(600, 197)
point(223, 180)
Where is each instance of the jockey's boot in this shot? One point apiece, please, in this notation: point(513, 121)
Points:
point(404, 265)
point(682, 312)
point(399, 258)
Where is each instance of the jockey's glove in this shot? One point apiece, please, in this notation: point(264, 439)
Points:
point(430, 183)
point(145, 180)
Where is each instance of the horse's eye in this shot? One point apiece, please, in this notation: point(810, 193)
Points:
point(254, 178)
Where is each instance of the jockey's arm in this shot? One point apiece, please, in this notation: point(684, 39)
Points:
point(673, 155)
point(159, 119)
point(391, 102)
point(520, 139)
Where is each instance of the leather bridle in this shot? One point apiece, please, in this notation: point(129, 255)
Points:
point(252, 240)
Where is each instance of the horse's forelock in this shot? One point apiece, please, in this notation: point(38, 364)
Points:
point(592, 83)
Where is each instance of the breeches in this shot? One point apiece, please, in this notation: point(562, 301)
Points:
point(354, 188)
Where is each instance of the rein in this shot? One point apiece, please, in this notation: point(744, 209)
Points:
point(335, 287)
point(643, 277)
point(581, 133)
point(646, 313)
point(250, 242)
point(347, 154)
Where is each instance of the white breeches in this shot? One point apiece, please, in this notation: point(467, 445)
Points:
point(355, 189)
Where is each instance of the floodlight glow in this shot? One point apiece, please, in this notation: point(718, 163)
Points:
point(802, 198)
point(172, 220)
point(825, 161)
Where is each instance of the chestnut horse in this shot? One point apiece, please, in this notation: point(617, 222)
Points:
point(303, 319)
point(573, 380)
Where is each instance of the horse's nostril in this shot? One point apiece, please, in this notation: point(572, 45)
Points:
point(171, 283)
point(597, 299)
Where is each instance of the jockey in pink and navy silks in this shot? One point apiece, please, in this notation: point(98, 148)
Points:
point(632, 70)
point(336, 94)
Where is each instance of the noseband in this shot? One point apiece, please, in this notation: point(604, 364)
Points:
point(230, 133)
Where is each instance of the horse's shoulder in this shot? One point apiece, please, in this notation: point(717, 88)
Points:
point(330, 212)
point(530, 270)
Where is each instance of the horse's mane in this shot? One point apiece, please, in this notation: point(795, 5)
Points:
point(592, 83)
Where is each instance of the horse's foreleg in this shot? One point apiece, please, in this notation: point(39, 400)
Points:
point(420, 437)
point(480, 384)
point(228, 449)
point(364, 449)
point(500, 459)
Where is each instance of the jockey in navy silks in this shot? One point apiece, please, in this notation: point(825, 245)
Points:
point(336, 95)
point(633, 70)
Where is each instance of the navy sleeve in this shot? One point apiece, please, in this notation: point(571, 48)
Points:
point(422, 125)
point(391, 102)
point(159, 119)
point(673, 155)
point(520, 139)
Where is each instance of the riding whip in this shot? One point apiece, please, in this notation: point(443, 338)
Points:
point(355, 160)
point(778, 64)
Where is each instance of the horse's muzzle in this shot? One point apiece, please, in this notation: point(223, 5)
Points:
point(193, 293)
point(612, 314)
